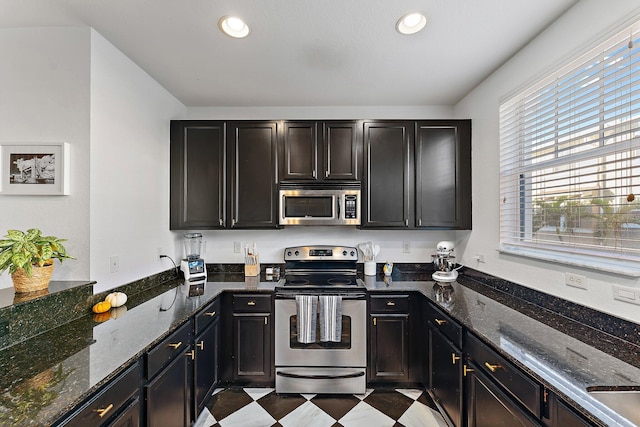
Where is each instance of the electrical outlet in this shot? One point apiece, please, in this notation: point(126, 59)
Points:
point(406, 247)
point(575, 280)
point(114, 264)
point(237, 247)
point(479, 258)
point(626, 294)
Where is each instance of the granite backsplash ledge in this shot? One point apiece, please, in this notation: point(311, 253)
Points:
point(618, 337)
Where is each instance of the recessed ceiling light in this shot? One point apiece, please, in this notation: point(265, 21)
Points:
point(411, 23)
point(233, 27)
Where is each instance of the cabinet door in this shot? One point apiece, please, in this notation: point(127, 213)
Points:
point(488, 406)
point(130, 417)
point(198, 175)
point(387, 173)
point(341, 150)
point(168, 395)
point(446, 376)
point(389, 348)
point(253, 148)
point(205, 365)
point(299, 151)
point(561, 415)
point(443, 174)
point(252, 348)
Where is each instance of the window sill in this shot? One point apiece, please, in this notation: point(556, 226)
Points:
point(602, 264)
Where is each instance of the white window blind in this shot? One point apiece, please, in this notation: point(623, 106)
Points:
point(569, 157)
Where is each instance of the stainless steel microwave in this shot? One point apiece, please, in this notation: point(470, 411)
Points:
point(332, 205)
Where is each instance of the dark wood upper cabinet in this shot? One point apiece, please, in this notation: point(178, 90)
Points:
point(417, 174)
point(198, 175)
point(387, 174)
point(317, 151)
point(253, 164)
point(443, 174)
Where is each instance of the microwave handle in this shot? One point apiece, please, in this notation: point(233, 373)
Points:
point(338, 200)
point(282, 206)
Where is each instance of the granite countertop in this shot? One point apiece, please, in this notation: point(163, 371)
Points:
point(545, 348)
point(45, 376)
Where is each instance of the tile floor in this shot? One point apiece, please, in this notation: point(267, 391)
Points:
point(262, 407)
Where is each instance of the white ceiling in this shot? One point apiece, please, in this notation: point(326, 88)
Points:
point(304, 52)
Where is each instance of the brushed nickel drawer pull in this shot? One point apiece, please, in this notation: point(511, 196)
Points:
point(175, 346)
point(440, 322)
point(210, 313)
point(391, 303)
point(200, 345)
point(103, 412)
point(251, 303)
point(454, 358)
point(491, 367)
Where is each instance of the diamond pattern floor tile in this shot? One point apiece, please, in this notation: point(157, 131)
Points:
point(263, 407)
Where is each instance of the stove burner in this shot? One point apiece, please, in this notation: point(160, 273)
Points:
point(339, 281)
point(297, 282)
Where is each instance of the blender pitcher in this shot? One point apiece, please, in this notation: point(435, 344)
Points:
point(192, 245)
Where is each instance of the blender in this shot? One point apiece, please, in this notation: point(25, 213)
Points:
point(444, 263)
point(192, 266)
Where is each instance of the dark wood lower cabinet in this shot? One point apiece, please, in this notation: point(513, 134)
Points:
point(252, 345)
point(561, 415)
point(389, 348)
point(168, 395)
point(205, 364)
point(446, 376)
point(488, 406)
point(130, 417)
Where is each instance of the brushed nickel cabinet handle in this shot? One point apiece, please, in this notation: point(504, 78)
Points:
point(191, 353)
point(440, 322)
point(103, 412)
point(175, 346)
point(210, 313)
point(200, 345)
point(467, 370)
point(454, 358)
point(391, 303)
point(251, 303)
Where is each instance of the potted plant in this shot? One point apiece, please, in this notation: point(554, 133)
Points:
point(29, 257)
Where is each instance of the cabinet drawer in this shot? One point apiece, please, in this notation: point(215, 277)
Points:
point(109, 401)
point(168, 349)
point(517, 383)
point(389, 303)
point(445, 324)
point(207, 315)
point(251, 303)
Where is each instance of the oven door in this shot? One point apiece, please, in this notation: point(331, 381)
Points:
point(351, 351)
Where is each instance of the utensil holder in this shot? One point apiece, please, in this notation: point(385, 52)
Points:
point(369, 268)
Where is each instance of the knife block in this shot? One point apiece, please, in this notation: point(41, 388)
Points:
point(252, 270)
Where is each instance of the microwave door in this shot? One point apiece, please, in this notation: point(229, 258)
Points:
point(310, 209)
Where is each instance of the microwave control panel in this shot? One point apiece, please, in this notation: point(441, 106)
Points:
point(351, 206)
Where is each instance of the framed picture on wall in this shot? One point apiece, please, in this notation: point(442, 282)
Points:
point(34, 169)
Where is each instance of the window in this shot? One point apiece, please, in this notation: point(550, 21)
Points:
point(569, 165)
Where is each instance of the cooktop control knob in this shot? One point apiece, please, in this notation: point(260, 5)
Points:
point(288, 253)
point(344, 253)
point(353, 253)
point(297, 253)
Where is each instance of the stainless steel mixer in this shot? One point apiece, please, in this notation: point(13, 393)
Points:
point(444, 263)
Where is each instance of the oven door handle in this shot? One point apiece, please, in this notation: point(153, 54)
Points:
point(345, 296)
point(320, 377)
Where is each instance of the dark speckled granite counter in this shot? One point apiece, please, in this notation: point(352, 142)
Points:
point(45, 376)
point(559, 352)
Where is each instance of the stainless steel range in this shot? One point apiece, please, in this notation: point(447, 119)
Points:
point(320, 322)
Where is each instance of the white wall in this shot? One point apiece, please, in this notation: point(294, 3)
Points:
point(130, 114)
point(44, 97)
point(574, 32)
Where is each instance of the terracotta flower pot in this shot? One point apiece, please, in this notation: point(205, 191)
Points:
point(39, 279)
